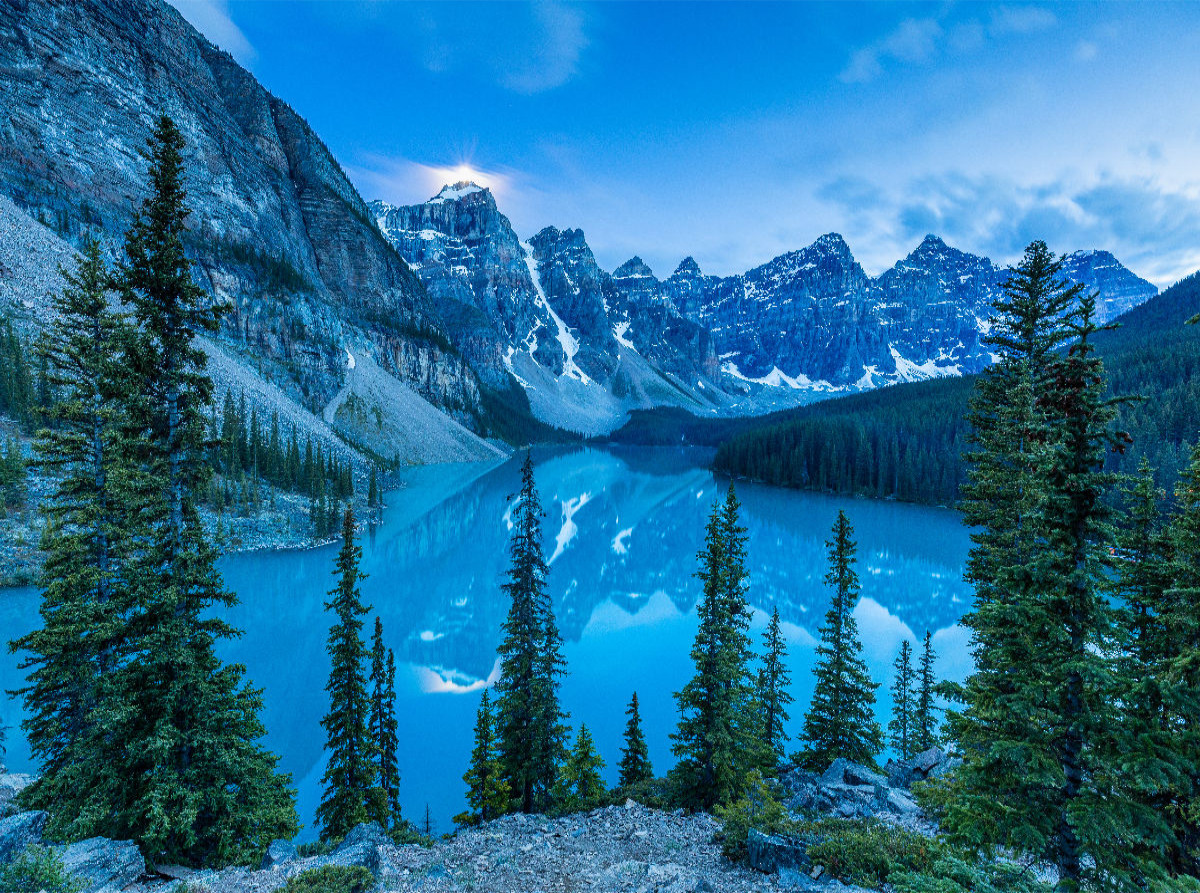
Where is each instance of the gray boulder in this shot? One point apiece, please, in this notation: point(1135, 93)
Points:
point(842, 771)
point(279, 852)
point(361, 847)
point(105, 866)
point(927, 764)
point(772, 853)
point(11, 784)
point(19, 831)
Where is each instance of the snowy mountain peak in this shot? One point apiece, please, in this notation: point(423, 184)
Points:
point(634, 268)
point(453, 192)
point(687, 268)
point(832, 243)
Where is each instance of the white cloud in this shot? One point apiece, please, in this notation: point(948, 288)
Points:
point(916, 41)
point(212, 19)
point(556, 52)
point(404, 182)
point(1086, 50)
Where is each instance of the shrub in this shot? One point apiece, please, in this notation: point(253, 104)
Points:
point(37, 870)
point(867, 852)
point(654, 793)
point(958, 873)
point(757, 808)
point(331, 879)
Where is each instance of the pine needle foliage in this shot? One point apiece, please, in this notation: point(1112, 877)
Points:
point(177, 766)
point(530, 718)
point(582, 787)
point(925, 709)
point(351, 785)
point(635, 755)
point(716, 739)
point(487, 791)
point(841, 720)
point(902, 727)
point(771, 693)
point(384, 729)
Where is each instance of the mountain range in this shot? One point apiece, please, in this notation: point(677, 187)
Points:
point(428, 332)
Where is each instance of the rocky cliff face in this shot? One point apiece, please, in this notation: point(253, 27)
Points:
point(813, 321)
point(586, 347)
point(277, 228)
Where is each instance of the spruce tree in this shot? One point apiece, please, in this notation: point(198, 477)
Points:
point(714, 741)
point(352, 793)
point(902, 728)
point(772, 693)
point(84, 596)
point(841, 720)
point(383, 729)
point(635, 755)
point(487, 791)
point(185, 774)
point(530, 719)
point(1040, 727)
point(581, 787)
point(925, 720)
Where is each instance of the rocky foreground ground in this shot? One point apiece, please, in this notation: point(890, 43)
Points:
point(616, 849)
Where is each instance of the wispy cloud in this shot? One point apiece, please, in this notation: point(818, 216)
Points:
point(526, 49)
point(1152, 228)
point(917, 41)
point(405, 182)
point(212, 19)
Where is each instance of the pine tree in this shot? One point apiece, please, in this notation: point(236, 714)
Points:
point(841, 721)
point(84, 597)
point(772, 695)
point(902, 727)
point(487, 792)
point(1040, 728)
point(383, 730)
point(184, 773)
point(925, 721)
point(635, 755)
point(373, 490)
point(581, 787)
point(530, 719)
point(714, 741)
point(352, 793)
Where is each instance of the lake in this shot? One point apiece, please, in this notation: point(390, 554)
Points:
point(622, 530)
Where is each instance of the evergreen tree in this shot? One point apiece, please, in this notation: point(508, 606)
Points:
point(902, 728)
point(1040, 728)
point(427, 822)
point(530, 719)
point(487, 792)
point(383, 729)
point(841, 721)
point(635, 755)
point(352, 793)
point(185, 775)
point(373, 490)
point(581, 786)
point(717, 721)
point(925, 721)
point(772, 693)
point(84, 596)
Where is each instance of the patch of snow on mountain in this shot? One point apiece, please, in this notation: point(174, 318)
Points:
point(454, 193)
point(569, 528)
point(777, 378)
point(619, 543)
point(907, 370)
point(619, 332)
point(570, 345)
point(349, 358)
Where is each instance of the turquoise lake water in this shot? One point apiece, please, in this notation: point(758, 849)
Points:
point(622, 530)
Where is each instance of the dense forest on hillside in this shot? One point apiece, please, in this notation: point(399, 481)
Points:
point(906, 441)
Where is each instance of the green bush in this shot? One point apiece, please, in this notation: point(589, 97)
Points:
point(957, 873)
point(868, 852)
point(757, 808)
point(331, 879)
point(654, 793)
point(37, 870)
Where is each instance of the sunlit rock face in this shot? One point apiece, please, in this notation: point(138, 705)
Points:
point(544, 313)
point(277, 230)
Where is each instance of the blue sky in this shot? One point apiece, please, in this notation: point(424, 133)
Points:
point(736, 132)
